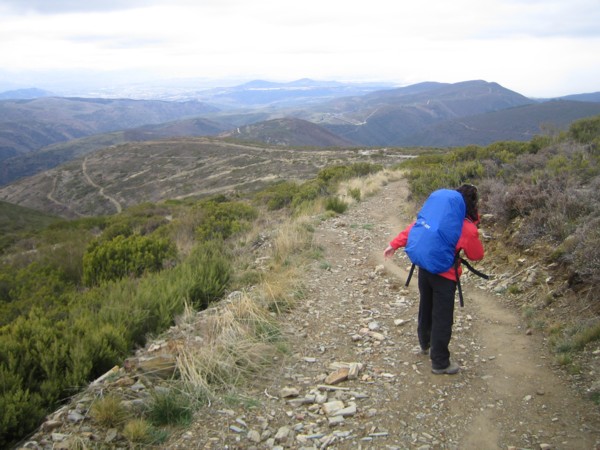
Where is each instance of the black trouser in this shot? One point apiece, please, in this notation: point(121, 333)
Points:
point(436, 316)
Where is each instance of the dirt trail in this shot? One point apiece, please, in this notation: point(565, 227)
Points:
point(356, 309)
point(101, 192)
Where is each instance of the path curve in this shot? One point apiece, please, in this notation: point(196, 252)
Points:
point(101, 192)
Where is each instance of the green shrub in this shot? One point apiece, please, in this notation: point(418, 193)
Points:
point(124, 256)
point(336, 204)
point(20, 409)
point(585, 131)
point(36, 285)
point(279, 195)
point(220, 220)
point(211, 274)
point(335, 174)
point(309, 191)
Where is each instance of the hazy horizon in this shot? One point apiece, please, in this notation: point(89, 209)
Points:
point(537, 48)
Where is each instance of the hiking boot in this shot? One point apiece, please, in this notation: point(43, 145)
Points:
point(452, 369)
point(424, 351)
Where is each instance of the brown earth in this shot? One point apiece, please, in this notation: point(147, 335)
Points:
point(509, 394)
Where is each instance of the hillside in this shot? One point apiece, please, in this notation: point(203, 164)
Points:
point(17, 221)
point(39, 134)
point(288, 132)
point(108, 180)
point(48, 157)
point(507, 395)
point(515, 124)
point(388, 117)
point(309, 335)
point(28, 125)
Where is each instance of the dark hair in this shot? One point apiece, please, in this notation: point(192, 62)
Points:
point(469, 193)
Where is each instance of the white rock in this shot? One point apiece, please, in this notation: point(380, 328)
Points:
point(254, 436)
point(282, 434)
point(331, 408)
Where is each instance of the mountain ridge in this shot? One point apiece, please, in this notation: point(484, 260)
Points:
point(38, 134)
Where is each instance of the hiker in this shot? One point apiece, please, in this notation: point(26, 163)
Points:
point(436, 291)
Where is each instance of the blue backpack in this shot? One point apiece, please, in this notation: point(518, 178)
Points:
point(432, 239)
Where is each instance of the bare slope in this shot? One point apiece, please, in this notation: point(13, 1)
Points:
point(289, 132)
point(116, 177)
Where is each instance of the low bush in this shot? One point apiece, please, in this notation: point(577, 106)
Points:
point(222, 219)
point(548, 188)
point(336, 204)
point(124, 256)
point(308, 192)
point(279, 195)
point(586, 131)
point(211, 274)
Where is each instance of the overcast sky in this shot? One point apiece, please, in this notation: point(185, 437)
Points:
point(539, 48)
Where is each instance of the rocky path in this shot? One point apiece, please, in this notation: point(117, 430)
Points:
point(355, 379)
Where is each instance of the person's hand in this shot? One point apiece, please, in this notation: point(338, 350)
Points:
point(389, 252)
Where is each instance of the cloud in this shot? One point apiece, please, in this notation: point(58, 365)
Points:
point(523, 44)
point(62, 6)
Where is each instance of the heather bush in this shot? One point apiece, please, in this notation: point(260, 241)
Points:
point(212, 273)
point(548, 188)
point(20, 408)
point(222, 219)
point(57, 336)
point(124, 256)
point(586, 131)
point(334, 174)
point(308, 192)
point(586, 252)
point(36, 285)
point(278, 195)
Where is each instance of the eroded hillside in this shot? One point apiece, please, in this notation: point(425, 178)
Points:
point(108, 180)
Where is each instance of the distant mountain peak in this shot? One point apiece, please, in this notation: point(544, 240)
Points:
point(24, 94)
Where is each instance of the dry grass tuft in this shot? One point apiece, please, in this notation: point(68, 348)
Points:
point(109, 411)
point(237, 341)
point(138, 431)
point(293, 237)
point(367, 186)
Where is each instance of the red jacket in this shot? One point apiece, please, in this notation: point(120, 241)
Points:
point(469, 243)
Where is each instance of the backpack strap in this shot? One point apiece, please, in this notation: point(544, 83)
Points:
point(474, 270)
point(410, 274)
point(457, 261)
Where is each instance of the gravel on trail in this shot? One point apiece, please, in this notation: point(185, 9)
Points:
point(355, 377)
